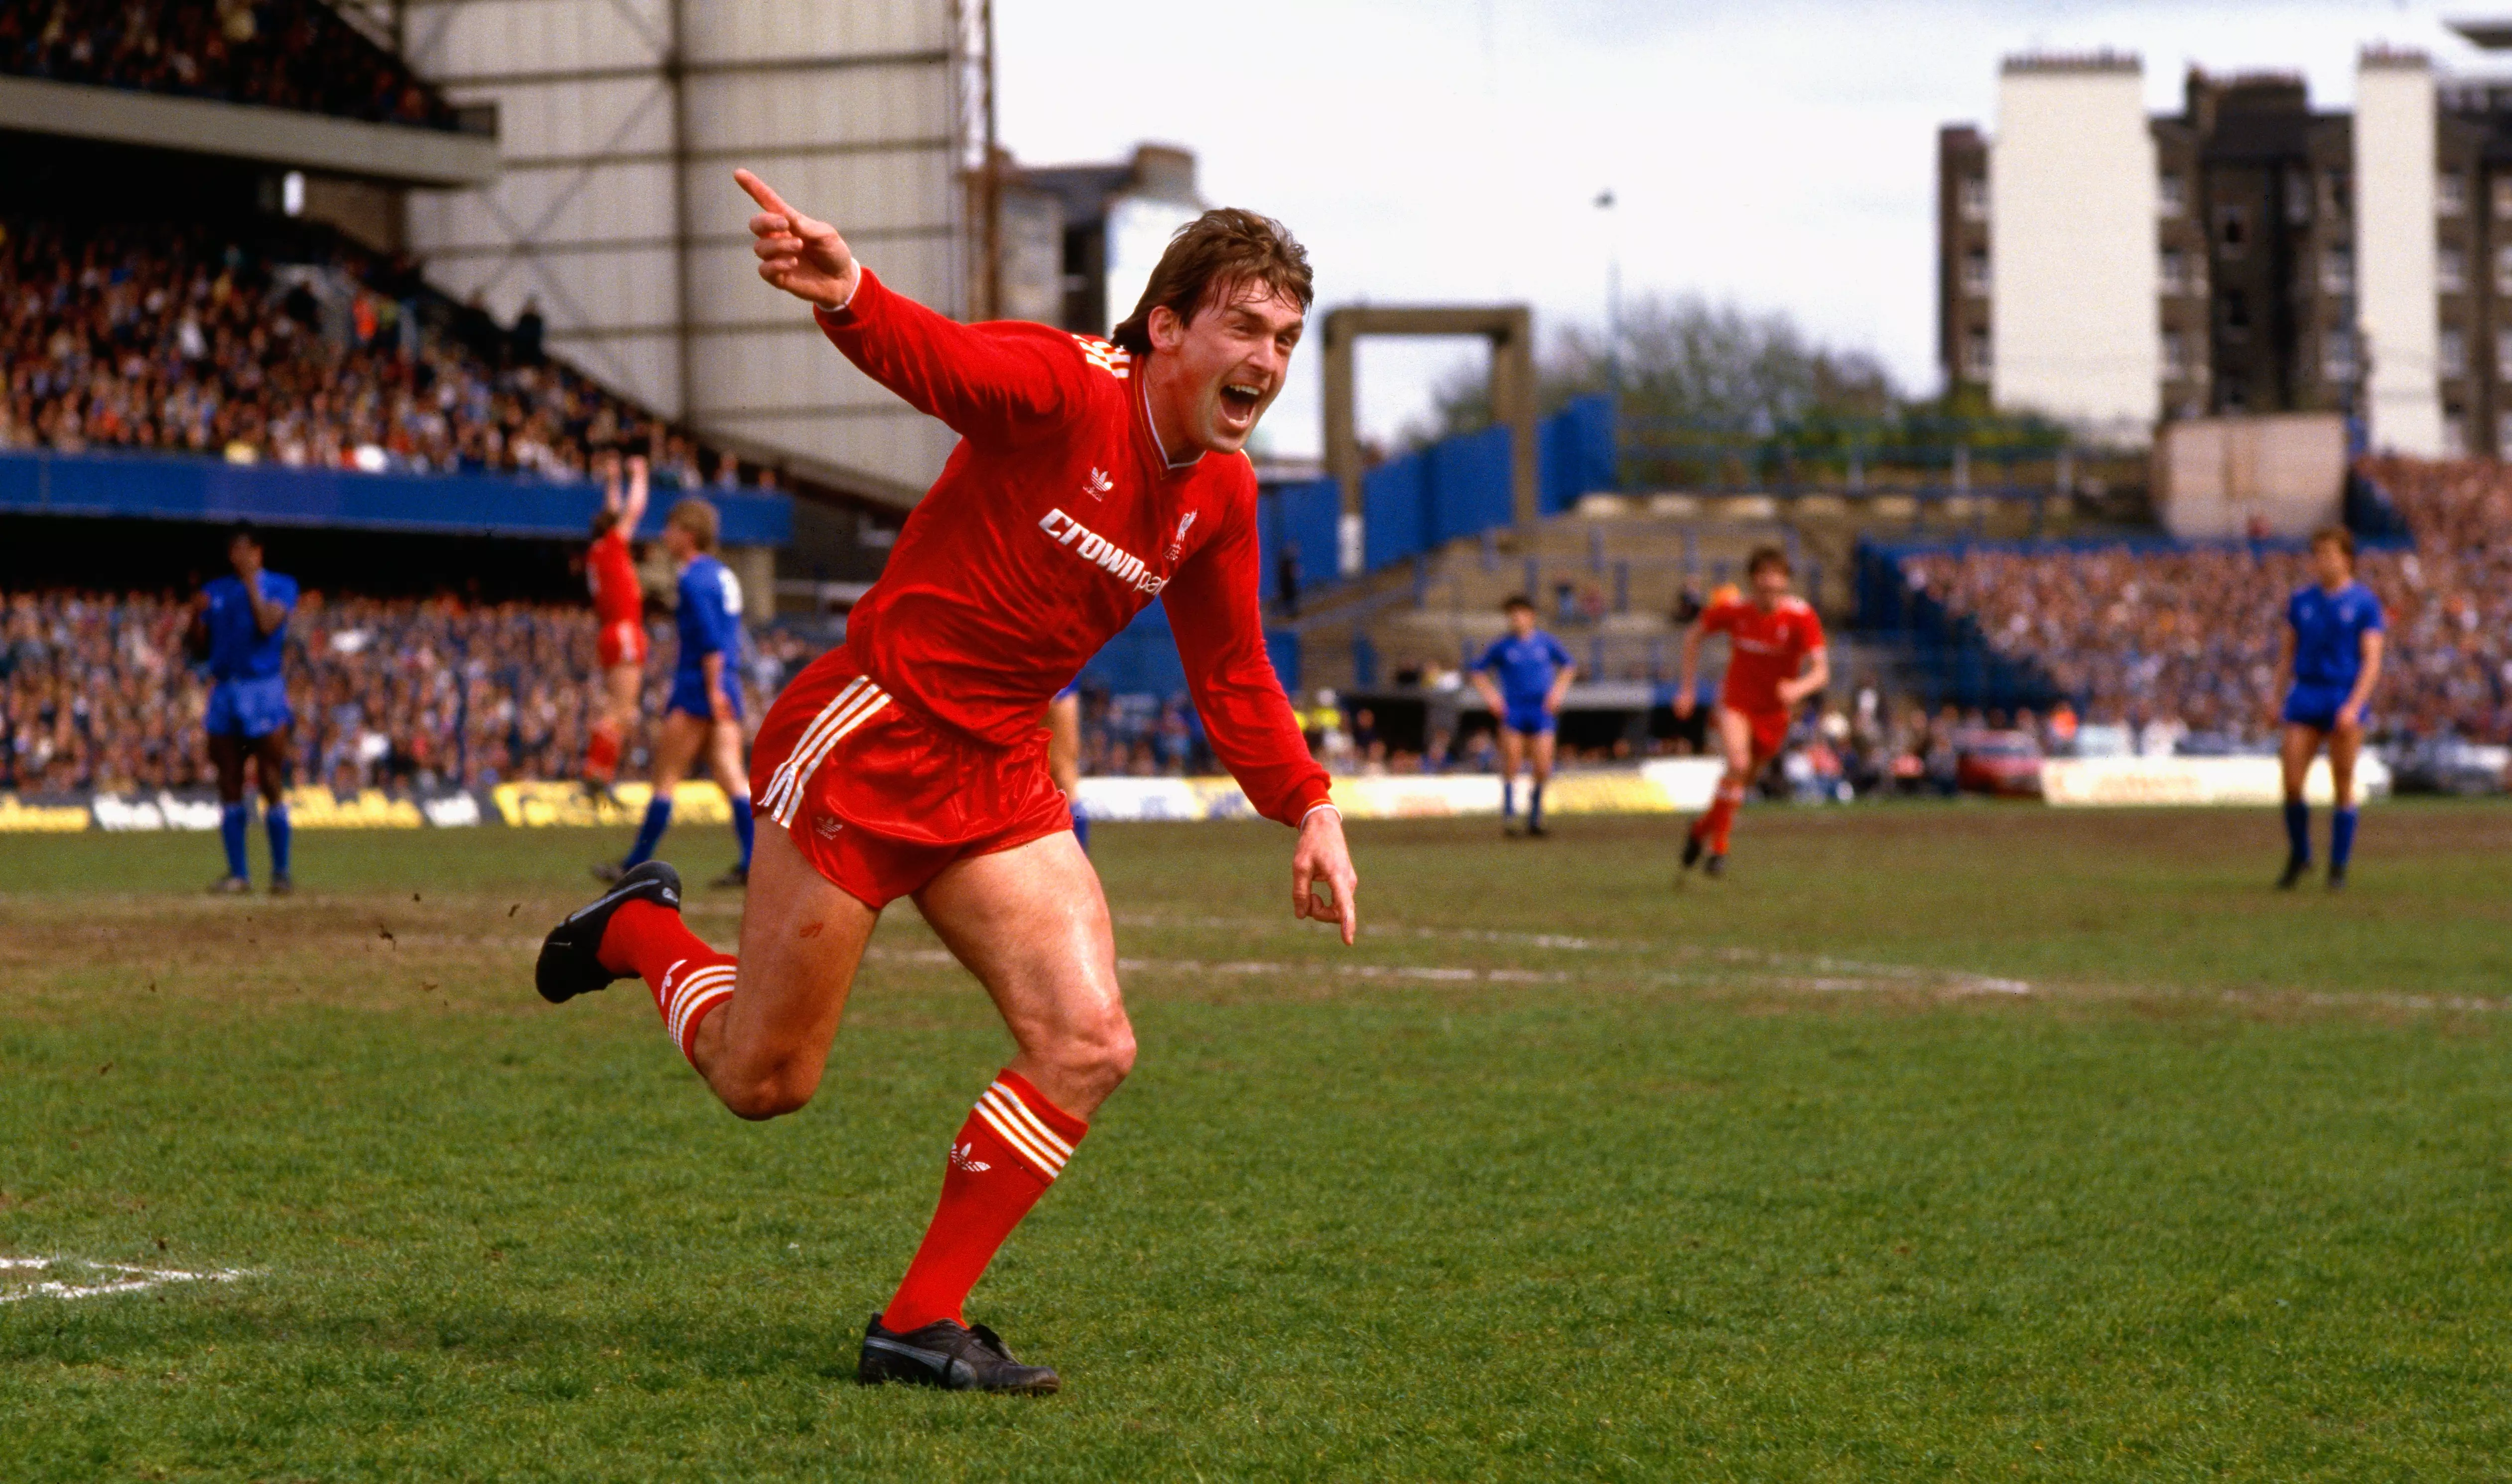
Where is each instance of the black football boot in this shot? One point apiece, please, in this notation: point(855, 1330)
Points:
point(951, 1356)
point(570, 962)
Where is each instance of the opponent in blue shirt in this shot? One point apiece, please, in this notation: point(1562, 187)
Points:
point(704, 711)
point(240, 627)
point(1523, 676)
point(2332, 657)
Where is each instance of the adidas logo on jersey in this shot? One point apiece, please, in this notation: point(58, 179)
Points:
point(1098, 484)
point(1108, 358)
point(1102, 553)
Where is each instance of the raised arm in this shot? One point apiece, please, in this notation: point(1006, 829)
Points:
point(990, 381)
point(632, 509)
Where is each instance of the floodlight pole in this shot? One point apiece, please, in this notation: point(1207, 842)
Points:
point(1613, 300)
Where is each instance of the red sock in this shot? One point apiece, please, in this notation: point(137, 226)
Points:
point(602, 752)
point(1712, 828)
point(1006, 1157)
point(689, 978)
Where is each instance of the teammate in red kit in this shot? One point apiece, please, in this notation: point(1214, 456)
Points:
point(620, 605)
point(1775, 658)
point(1091, 478)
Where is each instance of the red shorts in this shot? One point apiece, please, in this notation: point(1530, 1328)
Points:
point(878, 798)
point(622, 643)
point(1770, 729)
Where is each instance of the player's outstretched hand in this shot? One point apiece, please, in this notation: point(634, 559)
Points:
point(1323, 861)
point(806, 259)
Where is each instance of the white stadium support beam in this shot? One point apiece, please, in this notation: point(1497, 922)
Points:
point(2071, 183)
point(622, 121)
point(2394, 251)
point(395, 153)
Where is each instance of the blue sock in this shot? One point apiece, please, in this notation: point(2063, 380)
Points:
point(275, 820)
point(658, 818)
point(1081, 828)
point(2297, 830)
point(1508, 798)
point(743, 829)
point(1535, 803)
point(233, 821)
point(2341, 838)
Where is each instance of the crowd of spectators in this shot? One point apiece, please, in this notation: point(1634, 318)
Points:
point(2187, 639)
point(282, 343)
point(97, 691)
point(280, 54)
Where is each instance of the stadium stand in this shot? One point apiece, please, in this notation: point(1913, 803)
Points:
point(278, 54)
point(281, 342)
point(2186, 635)
point(97, 694)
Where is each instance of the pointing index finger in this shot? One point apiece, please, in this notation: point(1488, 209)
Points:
point(760, 192)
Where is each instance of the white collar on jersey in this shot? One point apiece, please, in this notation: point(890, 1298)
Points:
point(1166, 462)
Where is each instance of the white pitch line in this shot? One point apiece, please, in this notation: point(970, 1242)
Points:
point(1380, 929)
point(134, 1279)
point(1429, 973)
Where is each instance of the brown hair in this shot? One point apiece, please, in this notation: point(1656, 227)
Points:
point(1518, 600)
point(697, 517)
point(1211, 258)
point(1767, 556)
point(2338, 537)
point(603, 521)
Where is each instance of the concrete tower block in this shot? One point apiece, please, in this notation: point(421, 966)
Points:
point(2071, 189)
point(2394, 250)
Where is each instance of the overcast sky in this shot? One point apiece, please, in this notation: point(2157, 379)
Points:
point(1778, 153)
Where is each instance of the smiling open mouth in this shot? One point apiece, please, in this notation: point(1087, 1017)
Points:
point(1241, 398)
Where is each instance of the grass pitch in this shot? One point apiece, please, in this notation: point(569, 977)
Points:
point(1962, 1143)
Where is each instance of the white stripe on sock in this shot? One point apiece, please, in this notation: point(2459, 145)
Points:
point(696, 1007)
point(1035, 1124)
point(1045, 1164)
point(676, 1010)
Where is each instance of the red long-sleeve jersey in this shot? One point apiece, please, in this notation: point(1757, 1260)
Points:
point(1766, 649)
point(611, 572)
point(1057, 519)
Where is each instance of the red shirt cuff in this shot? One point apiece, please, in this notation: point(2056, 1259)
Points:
point(1306, 801)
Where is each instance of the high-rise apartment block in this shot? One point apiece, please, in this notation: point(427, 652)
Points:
point(2248, 254)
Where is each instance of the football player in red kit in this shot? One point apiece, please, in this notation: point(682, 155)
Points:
point(1775, 658)
point(1091, 478)
point(619, 606)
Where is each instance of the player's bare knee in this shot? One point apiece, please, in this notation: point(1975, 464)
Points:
point(1099, 1056)
point(771, 1094)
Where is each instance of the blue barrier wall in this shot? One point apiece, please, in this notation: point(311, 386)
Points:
point(1395, 496)
point(1143, 659)
point(1309, 511)
point(1469, 485)
point(177, 487)
point(1575, 452)
point(1461, 485)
